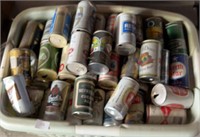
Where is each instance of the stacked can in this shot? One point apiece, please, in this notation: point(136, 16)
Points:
point(100, 22)
point(110, 27)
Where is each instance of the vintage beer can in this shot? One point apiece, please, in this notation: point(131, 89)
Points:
point(110, 27)
point(139, 30)
point(179, 71)
point(98, 105)
point(83, 98)
point(100, 22)
point(171, 96)
point(78, 52)
point(164, 77)
point(85, 17)
point(15, 87)
point(109, 80)
point(63, 72)
point(120, 101)
point(165, 115)
point(149, 62)
point(48, 62)
point(46, 32)
point(125, 34)
point(154, 29)
point(60, 27)
point(33, 64)
point(20, 63)
point(100, 52)
point(175, 33)
point(130, 67)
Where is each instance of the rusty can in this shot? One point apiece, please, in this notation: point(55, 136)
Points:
point(110, 27)
point(171, 96)
point(149, 62)
point(100, 22)
point(120, 101)
point(165, 115)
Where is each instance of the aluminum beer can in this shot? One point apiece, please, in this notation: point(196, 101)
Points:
point(109, 81)
point(149, 62)
point(179, 70)
point(78, 52)
point(139, 30)
point(120, 101)
point(15, 87)
point(63, 72)
point(48, 62)
point(164, 77)
point(20, 63)
point(165, 115)
point(110, 27)
point(125, 34)
point(171, 96)
point(98, 105)
point(46, 32)
point(83, 98)
point(60, 27)
point(85, 17)
point(100, 52)
point(100, 22)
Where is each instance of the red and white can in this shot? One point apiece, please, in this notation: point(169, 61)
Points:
point(111, 23)
point(171, 96)
point(120, 101)
point(165, 115)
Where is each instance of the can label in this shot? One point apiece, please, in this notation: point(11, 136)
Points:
point(128, 27)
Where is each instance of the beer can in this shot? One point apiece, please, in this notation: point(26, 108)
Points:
point(63, 72)
point(165, 115)
point(164, 78)
point(83, 98)
point(33, 64)
point(20, 63)
point(100, 22)
point(154, 29)
point(110, 27)
point(179, 71)
point(60, 27)
point(149, 62)
point(98, 105)
point(125, 34)
point(15, 87)
point(139, 30)
point(48, 62)
point(130, 67)
point(46, 32)
point(120, 101)
point(84, 17)
point(100, 52)
point(78, 52)
point(109, 80)
point(171, 96)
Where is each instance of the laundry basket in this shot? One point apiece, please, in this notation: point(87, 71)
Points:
point(63, 128)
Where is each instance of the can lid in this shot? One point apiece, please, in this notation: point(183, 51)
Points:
point(104, 31)
point(151, 41)
point(57, 40)
point(158, 94)
point(77, 68)
point(98, 68)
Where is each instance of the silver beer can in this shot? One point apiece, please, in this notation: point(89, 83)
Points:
point(100, 22)
point(120, 101)
point(46, 32)
point(125, 34)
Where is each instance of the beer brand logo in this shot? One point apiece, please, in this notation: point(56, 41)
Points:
point(70, 51)
point(128, 27)
point(128, 97)
point(177, 70)
point(137, 99)
point(145, 59)
point(165, 110)
point(43, 56)
point(179, 91)
point(61, 67)
point(175, 106)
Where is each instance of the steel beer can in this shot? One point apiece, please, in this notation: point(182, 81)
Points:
point(100, 22)
point(171, 96)
point(165, 115)
point(179, 70)
point(83, 98)
point(110, 27)
point(120, 101)
point(78, 52)
point(125, 34)
point(46, 32)
point(100, 52)
point(85, 17)
point(164, 77)
point(149, 62)
point(109, 80)
point(60, 27)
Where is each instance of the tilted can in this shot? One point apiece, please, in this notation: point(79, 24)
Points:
point(60, 27)
point(120, 101)
point(164, 77)
point(78, 52)
point(179, 70)
point(98, 105)
point(171, 96)
point(46, 32)
point(15, 87)
point(100, 52)
point(125, 34)
point(109, 80)
point(110, 27)
point(84, 17)
point(83, 98)
point(165, 115)
point(149, 62)
point(100, 22)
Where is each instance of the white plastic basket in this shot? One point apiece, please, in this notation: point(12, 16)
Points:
point(64, 129)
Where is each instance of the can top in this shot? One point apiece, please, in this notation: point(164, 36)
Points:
point(151, 41)
point(127, 14)
point(154, 18)
point(100, 31)
point(158, 94)
point(173, 23)
point(131, 79)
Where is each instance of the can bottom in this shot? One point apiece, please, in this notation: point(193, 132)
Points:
point(82, 115)
point(98, 68)
point(57, 40)
point(46, 75)
point(125, 49)
point(77, 68)
point(149, 79)
point(107, 84)
point(112, 112)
